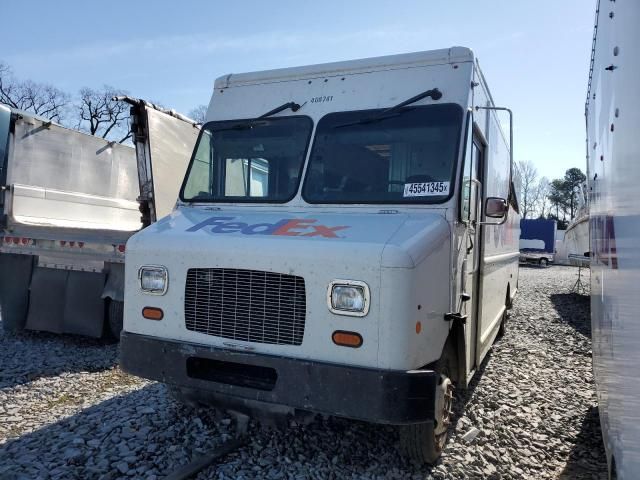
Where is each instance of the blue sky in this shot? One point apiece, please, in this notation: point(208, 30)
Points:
point(535, 54)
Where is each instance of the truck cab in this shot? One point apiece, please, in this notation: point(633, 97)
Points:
point(345, 242)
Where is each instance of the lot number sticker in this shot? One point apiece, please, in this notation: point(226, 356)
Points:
point(426, 189)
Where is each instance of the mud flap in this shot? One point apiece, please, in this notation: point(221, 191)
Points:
point(114, 288)
point(46, 301)
point(84, 308)
point(14, 290)
point(64, 301)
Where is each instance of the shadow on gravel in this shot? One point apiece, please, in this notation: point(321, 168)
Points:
point(73, 447)
point(144, 433)
point(462, 396)
point(587, 459)
point(27, 356)
point(574, 310)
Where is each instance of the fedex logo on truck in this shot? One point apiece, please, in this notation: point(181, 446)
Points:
point(294, 227)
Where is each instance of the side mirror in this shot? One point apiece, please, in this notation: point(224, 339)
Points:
point(495, 207)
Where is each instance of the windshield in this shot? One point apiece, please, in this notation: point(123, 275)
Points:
point(405, 157)
point(248, 160)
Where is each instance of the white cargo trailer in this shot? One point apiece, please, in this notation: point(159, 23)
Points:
point(613, 173)
point(346, 242)
point(69, 203)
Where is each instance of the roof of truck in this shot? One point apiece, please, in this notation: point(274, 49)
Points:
point(404, 60)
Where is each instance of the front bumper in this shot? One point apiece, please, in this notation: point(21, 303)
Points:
point(378, 396)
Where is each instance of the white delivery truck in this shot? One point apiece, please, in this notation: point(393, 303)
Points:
point(346, 242)
point(69, 202)
point(613, 174)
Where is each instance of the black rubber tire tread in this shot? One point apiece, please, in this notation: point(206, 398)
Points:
point(418, 443)
point(503, 325)
point(503, 322)
point(115, 318)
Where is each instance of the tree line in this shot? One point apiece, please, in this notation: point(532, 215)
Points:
point(91, 110)
point(559, 199)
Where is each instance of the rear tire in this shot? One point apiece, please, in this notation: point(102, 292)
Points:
point(115, 318)
point(505, 315)
point(423, 443)
point(503, 324)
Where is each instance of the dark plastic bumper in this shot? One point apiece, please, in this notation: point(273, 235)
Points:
point(378, 396)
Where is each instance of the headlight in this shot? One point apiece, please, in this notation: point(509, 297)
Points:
point(153, 279)
point(348, 297)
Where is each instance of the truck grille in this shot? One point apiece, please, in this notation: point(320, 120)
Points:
point(249, 305)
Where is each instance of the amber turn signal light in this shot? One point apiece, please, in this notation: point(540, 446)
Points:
point(152, 313)
point(347, 339)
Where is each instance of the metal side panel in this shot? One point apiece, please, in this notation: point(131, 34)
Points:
point(46, 207)
point(65, 178)
point(171, 141)
point(14, 289)
point(47, 300)
point(84, 306)
point(53, 157)
point(5, 124)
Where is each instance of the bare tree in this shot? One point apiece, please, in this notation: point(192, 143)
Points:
point(39, 98)
point(544, 188)
point(199, 114)
point(528, 187)
point(102, 116)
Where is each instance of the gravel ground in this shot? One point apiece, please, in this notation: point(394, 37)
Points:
point(67, 411)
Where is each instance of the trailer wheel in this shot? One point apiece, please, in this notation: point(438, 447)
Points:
point(423, 442)
point(115, 318)
point(543, 262)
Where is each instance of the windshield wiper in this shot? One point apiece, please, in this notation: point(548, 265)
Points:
point(434, 93)
point(286, 106)
point(251, 123)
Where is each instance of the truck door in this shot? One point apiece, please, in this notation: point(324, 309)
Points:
point(471, 199)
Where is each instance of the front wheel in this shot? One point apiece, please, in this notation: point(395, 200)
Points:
point(543, 262)
point(423, 442)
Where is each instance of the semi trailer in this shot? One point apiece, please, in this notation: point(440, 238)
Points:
point(345, 242)
point(613, 174)
point(69, 203)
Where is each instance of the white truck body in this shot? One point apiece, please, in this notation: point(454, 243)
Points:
point(613, 173)
point(431, 267)
point(70, 201)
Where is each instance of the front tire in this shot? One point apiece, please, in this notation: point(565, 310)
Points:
point(543, 262)
point(423, 443)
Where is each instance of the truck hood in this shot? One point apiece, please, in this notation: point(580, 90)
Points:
point(319, 247)
point(394, 240)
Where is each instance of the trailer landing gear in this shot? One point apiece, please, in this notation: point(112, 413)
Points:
point(423, 442)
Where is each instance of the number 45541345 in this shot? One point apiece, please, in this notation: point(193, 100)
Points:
point(426, 188)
